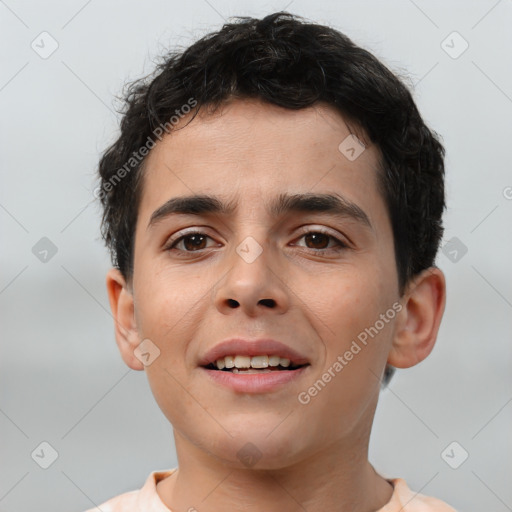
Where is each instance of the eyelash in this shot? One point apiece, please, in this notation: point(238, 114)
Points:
point(340, 244)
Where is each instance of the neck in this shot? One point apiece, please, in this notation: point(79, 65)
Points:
point(339, 478)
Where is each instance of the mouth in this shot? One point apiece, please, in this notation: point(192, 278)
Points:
point(251, 365)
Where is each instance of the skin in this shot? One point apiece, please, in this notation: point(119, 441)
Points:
point(315, 456)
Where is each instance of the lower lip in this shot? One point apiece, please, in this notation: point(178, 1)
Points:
point(255, 383)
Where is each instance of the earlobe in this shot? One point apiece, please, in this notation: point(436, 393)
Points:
point(122, 307)
point(418, 322)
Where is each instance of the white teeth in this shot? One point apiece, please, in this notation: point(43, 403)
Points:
point(274, 360)
point(243, 361)
point(258, 362)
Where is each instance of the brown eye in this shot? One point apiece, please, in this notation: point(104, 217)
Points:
point(191, 242)
point(317, 240)
point(321, 243)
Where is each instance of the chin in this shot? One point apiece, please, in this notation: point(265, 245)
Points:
point(261, 449)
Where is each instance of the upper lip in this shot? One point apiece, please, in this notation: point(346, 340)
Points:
point(244, 347)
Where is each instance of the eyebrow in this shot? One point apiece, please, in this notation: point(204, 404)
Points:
point(333, 204)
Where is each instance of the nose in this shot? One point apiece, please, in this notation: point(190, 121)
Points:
point(252, 285)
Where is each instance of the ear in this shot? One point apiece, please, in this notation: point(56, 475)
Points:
point(418, 321)
point(121, 303)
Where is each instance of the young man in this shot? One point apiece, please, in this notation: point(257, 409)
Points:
point(273, 206)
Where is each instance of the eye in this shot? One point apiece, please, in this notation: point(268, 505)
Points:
point(190, 242)
point(318, 240)
point(315, 240)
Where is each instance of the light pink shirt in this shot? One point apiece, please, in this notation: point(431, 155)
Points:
point(148, 500)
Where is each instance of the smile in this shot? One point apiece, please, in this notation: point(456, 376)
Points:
point(253, 364)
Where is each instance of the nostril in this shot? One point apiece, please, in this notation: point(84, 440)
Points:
point(232, 303)
point(271, 303)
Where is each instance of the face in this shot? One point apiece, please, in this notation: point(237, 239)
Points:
point(311, 277)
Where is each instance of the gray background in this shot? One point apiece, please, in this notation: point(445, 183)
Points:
point(62, 379)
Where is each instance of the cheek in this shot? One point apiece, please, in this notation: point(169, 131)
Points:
point(344, 302)
point(166, 303)
point(343, 307)
point(167, 311)
point(358, 322)
point(169, 305)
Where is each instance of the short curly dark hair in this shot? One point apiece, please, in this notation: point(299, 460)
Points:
point(286, 61)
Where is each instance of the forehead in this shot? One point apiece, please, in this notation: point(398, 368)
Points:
point(252, 148)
